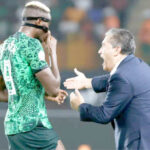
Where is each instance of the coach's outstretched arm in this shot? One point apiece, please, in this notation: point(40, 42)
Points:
point(78, 82)
point(99, 83)
point(50, 77)
point(119, 95)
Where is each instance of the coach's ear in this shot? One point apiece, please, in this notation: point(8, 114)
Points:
point(117, 51)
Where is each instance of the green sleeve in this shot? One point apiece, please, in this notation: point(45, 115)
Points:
point(35, 55)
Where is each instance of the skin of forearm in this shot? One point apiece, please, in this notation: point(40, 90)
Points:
point(88, 83)
point(3, 96)
point(48, 81)
point(54, 66)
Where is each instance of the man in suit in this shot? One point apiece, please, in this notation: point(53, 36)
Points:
point(128, 92)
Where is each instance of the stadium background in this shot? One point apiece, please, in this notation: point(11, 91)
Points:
point(79, 26)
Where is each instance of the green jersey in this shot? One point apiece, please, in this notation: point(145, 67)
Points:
point(20, 58)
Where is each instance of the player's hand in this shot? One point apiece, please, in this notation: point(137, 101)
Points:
point(51, 43)
point(76, 100)
point(44, 41)
point(44, 36)
point(78, 82)
point(59, 98)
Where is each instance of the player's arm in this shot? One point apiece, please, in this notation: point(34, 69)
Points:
point(50, 77)
point(35, 57)
point(50, 48)
point(3, 91)
point(3, 96)
point(49, 82)
point(51, 59)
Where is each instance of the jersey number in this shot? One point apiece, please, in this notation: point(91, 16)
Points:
point(8, 78)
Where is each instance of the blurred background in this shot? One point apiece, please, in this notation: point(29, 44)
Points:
point(79, 26)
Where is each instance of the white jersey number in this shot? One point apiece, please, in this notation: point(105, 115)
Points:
point(8, 78)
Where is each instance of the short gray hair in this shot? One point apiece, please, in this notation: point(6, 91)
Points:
point(123, 39)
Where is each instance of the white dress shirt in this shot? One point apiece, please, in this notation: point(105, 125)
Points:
point(116, 66)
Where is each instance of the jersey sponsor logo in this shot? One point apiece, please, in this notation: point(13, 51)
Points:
point(41, 55)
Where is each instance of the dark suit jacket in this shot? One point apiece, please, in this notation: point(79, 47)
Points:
point(127, 101)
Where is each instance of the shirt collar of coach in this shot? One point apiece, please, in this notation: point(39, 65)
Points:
point(116, 66)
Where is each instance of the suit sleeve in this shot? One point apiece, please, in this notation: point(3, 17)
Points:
point(118, 97)
point(100, 83)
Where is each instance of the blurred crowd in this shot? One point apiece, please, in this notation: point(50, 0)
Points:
point(79, 26)
point(143, 49)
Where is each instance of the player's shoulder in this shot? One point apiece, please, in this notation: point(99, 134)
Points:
point(23, 39)
point(34, 43)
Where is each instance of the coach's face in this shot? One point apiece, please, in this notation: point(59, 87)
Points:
point(107, 53)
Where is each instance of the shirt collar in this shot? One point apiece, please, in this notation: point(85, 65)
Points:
point(116, 66)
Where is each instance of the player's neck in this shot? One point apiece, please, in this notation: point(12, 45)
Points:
point(28, 31)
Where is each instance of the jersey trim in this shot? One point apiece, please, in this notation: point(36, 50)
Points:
point(42, 68)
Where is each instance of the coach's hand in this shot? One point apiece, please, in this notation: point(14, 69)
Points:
point(59, 98)
point(78, 82)
point(76, 100)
